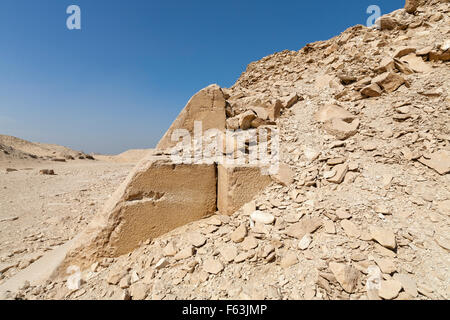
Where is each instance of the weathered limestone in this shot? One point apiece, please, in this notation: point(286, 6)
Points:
point(372, 90)
point(389, 81)
point(337, 121)
point(438, 161)
point(207, 106)
point(237, 185)
point(411, 6)
point(157, 197)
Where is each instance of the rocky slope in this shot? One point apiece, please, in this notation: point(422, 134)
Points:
point(364, 123)
point(12, 148)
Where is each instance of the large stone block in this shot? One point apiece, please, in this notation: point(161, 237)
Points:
point(237, 185)
point(207, 106)
point(156, 198)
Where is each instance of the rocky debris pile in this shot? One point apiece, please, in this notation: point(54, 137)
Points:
point(360, 207)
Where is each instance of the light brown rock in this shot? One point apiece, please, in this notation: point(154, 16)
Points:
point(411, 6)
point(185, 253)
point(306, 225)
point(228, 252)
point(245, 119)
point(341, 171)
point(290, 100)
point(212, 266)
point(329, 227)
point(350, 229)
point(341, 129)
point(207, 106)
point(330, 111)
point(408, 284)
point(387, 23)
point(239, 234)
point(169, 250)
point(262, 217)
point(416, 63)
point(347, 276)
point(389, 289)
point(403, 51)
point(139, 291)
point(389, 81)
point(438, 161)
point(372, 90)
point(197, 240)
point(288, 260)
point(284, 176)
point(237, 185)
point(386, 265)
point(384, 237)
point(249, 243)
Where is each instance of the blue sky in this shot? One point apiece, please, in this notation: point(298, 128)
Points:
point(120, 81)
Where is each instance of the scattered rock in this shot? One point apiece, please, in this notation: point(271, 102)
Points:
point(47, 172)
point(212, 266)
point(305, 226)
point(245, 119)
point(387, 23)
point(249, 243)
point(389, 81)
point(185, 253)
point(305, 242)
point(170, 250)
point(285, 175)
point(262, 217)
point(384, 237)
point(403, 51)
point(443, 242)
point(288, 260)
point(341, 170)
point(350, 229)
point(139, 291)
point(197, 240)
point(347, 276)
point(329, 227)
point(411, 6)
point(341, 129)
point(239, 234)
point(9, 219)
point(161, 264)
point(114, 276)
point(229, 253)
point(408, 284)
point(438, 161)
point(372, 90)
point(386, 265)
point(389, 289)
point(342, 214)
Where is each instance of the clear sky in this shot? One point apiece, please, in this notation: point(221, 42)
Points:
point(120, 81)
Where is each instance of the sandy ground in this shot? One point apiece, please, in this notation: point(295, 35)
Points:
point(39, 212)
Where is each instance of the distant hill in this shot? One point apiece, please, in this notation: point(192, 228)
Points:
point(130, 156)
point(15, 148)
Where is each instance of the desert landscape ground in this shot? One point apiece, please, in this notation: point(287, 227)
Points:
point(359, 208)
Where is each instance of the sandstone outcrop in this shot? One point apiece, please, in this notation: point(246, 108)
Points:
point(207, 106)
point(237, 185)
point(156, 198)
